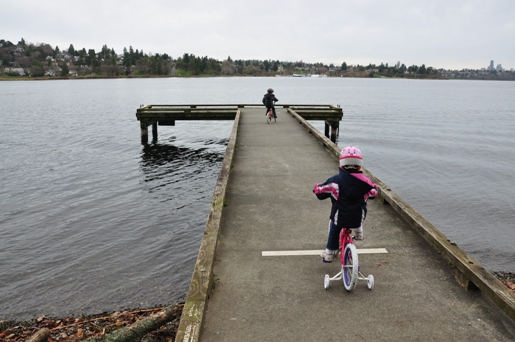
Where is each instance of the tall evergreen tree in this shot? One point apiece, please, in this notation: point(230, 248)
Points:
point(64, 70)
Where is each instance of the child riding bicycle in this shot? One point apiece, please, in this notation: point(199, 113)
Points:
point(349, 191)
point(268, 100)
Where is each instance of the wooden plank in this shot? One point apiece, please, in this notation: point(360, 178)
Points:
point(317, 252)
point(188, 110)
point(188, 116)
point(240, 105)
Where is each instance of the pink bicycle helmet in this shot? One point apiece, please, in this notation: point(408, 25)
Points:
point(351, 155)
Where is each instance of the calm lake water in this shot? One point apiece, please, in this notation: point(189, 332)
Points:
point(93, 221)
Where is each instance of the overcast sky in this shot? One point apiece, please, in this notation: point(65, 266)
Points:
point(449, 34)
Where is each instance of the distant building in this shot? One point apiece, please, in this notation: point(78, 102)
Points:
point(498, 67)
point(491, 66)
point(20, 71)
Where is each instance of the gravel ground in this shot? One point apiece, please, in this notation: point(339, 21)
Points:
point(507, 279)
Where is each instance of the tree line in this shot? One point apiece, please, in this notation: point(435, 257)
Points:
point(38, 60)
point(42, 59)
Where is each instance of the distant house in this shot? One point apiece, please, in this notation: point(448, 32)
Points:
point(50, 60)
point(19, 52)
point(20, 71)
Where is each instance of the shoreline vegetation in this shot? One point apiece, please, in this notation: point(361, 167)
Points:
point(100, 77)
point(28, 61)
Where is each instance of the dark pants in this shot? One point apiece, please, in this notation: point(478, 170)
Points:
point(333, 236)
point(273, 110)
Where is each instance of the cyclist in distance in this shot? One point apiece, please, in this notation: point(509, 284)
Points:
point(268, 101)
point(349, 191)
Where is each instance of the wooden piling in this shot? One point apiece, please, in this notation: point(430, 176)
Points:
point(335, 126)
point(154, 131)
point(144, 133)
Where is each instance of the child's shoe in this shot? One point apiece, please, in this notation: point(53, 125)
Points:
point(358, 235)
point(328, 255)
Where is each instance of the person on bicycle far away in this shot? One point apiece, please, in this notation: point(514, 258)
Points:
point(268, 101)
point(349, 191)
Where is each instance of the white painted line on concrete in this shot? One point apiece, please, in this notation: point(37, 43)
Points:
point(317, 252)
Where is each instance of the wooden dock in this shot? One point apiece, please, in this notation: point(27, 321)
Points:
point(166, 115)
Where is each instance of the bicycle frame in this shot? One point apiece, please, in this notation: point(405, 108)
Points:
point(270, 115)
point(350, 272)
point(345, 239)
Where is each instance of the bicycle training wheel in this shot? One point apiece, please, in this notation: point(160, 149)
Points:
point(327, 282)
point(350, 267)
point(370, 282)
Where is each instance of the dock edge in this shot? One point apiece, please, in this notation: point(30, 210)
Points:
point(192, 317)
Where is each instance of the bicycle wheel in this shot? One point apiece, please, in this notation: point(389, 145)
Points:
point(350, 267)
point(269, 116)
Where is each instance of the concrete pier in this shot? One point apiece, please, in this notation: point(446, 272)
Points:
point(426, 287)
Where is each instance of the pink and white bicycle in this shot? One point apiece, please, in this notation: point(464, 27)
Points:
point(350, 273)
point(270, 115)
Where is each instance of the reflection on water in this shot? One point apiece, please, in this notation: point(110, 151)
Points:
point(158, 154)
point(165, 164)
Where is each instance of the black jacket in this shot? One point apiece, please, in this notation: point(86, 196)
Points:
point(349, 196)
point(269, 99)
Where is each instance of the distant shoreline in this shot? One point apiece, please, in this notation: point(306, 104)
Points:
point(49, 78)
